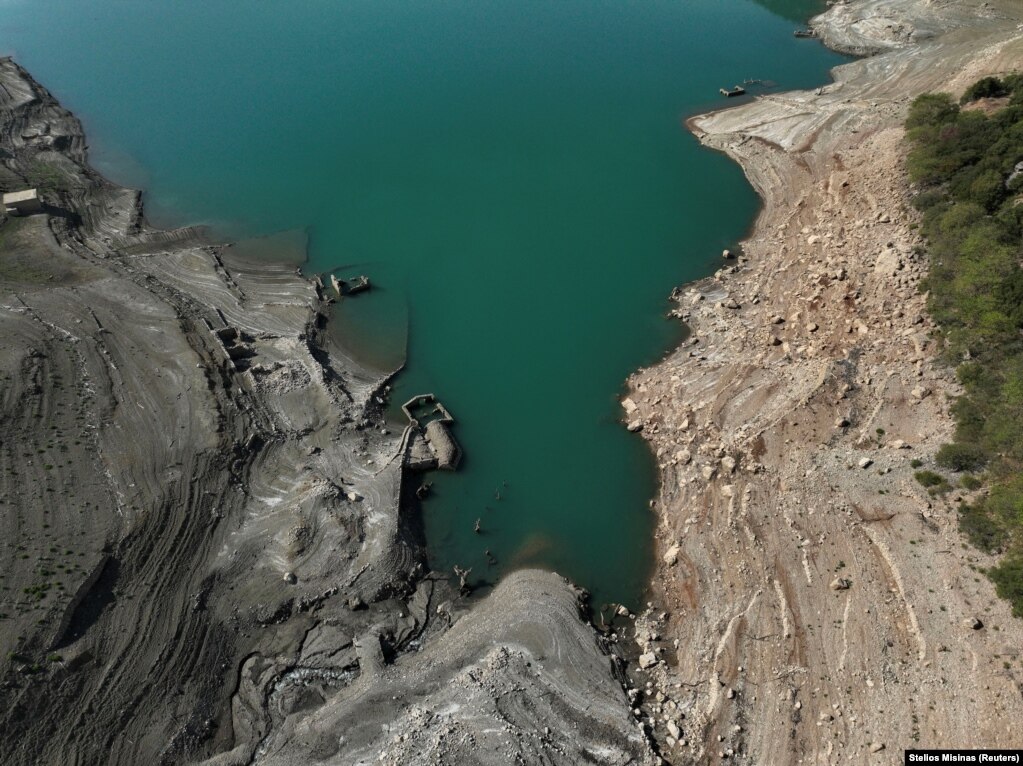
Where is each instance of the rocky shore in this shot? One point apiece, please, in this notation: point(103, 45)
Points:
point(206, 555)
point(812, 602)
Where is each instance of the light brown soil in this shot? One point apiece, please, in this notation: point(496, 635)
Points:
point(812, 603)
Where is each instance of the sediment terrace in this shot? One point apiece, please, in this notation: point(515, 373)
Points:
point(205, 555)
point(813, 603)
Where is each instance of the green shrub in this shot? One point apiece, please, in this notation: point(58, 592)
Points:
point(916, 462)
point(969, 481)
point(980, 529)
point(961, 457)
point(989, 87)
point(929, 478)
point(962, 162)
point(1008, 579)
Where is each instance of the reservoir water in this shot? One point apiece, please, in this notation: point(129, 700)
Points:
point(514, 176)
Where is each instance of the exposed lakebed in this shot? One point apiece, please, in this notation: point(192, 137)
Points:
point(515, 178)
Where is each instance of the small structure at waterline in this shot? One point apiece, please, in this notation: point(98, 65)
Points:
point(345, 287)
point(804, 33)
point(25, 202)
point(431, 446)
point(738, 90)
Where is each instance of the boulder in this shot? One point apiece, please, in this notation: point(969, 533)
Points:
point(840, 583)
point(671, 555)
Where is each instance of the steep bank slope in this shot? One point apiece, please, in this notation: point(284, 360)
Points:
point(205, 555)
point(813, 604)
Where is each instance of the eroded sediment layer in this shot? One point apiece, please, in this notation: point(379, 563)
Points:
point(204, 554)
point(818, 605)
point(813, 604)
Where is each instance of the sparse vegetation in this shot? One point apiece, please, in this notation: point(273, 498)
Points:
point(929, 478)
point(965, 162)
point(47, 177)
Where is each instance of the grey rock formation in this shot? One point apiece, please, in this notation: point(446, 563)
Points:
point(205, 553)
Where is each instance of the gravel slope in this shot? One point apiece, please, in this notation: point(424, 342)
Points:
point(813, 604)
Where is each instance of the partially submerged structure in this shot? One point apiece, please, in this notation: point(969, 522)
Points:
point(431, 446)
point(25, 202)
point(345, 287)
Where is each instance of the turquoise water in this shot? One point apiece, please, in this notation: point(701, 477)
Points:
point(515, 178)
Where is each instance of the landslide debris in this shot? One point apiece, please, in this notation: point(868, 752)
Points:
point(813, 601)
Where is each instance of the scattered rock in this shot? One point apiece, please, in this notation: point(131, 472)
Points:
point(865, 462)
point(671, 555)
point(673, 730)
point(840, 583)
point(973, 623)
point(647, 661)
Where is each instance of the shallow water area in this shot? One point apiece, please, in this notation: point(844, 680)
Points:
point(515, 179)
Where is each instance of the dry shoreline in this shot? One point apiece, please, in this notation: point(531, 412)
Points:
point(237, 584)
point(812, 604)
point(206, 558)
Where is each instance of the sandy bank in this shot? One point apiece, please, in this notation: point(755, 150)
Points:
point(815, 599)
